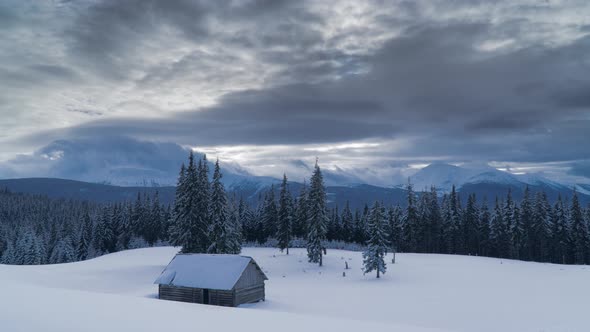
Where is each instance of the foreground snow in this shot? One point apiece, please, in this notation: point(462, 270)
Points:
point(418, 293)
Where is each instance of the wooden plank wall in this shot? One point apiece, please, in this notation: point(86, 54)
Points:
point(222, 298)
point(250, 294)
point(182, 294)
point(252, 276)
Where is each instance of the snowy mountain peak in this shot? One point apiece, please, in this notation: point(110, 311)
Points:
point(444, 176)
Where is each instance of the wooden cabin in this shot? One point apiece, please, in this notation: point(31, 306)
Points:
point(225, 280)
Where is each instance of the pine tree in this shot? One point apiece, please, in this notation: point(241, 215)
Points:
point(484, 229)
point(285, 216)
point(190, 225)
point(270, 216)
point(579, 232)
point(347, 223)
point(63, 252)
point(526, 222)
point(28, 249)
point(201, 198)
point(359, 227)
point(410, 221)
point(317, 217)
point(374, 255)
point(559, 232)
point(499, 234)
point(154, 221)
point(434, 222)
point(223, 234)
point(179, 224)
point(85, 239)
point(301, 217)
point(471, 227)
point(540, 229)
point(395, 228)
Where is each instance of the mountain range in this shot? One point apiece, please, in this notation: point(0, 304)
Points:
point(486, 182)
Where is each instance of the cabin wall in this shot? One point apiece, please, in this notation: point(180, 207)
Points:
point(221, 298)
point(182, 294)
point(195, 295)
point(252, 276)
point(250, 294)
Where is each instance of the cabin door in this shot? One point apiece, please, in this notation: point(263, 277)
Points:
point(205, 296)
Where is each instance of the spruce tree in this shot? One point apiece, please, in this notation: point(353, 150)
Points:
point(285, 216)
point(471, 227)
point(410, 221)
point(579, 232)
point(484, 228)
point(434, 222)
point(499, 235)
point(540, 229)
point(377, 244)
point(526, 222)
point(201, 193)
point(223, 235)
point(179, 226)
point(317, 217)
point(559, 233)
point(347, 223)
point(85, 239)
point(270, 216)
point(395, 228)
point(300, 220)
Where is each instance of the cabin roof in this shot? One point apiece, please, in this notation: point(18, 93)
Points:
point(220, 272)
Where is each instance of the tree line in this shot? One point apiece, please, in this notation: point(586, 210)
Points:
point(39, 230)
point(203, 219)
point(532, 229)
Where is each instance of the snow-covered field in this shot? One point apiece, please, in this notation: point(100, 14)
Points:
point(418, 293)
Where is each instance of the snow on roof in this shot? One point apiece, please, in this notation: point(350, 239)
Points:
point(204, 271)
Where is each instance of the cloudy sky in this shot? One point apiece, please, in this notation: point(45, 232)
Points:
point(373, 88)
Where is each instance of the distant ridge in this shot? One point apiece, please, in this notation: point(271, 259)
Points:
point(253, 191)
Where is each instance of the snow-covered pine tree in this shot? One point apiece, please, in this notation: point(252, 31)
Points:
point(85, 238)
point(446, 225)
point(410, 223)
point(527, 242)
point(236, 211)
point(270, 215)
point(300, 218)
point(394, 230)
point(377, 244)
point(63, 252)
point(541, 228)
point(455, 210)
point(317, 217)
point(347, 223)
point(471, 227)
point(579, 232)
point(190, 225)
point(285, 216)
point(484, 228)
point(179, 211)
point(201, 199)
point(8, 256)
point(559, 233)
point(28, 249)
point(434, 222)
point(154, 221)
point(223, 235)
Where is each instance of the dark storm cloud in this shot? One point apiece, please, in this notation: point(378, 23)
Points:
point(110, 33)
point(445, 80)
point(431, 82)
